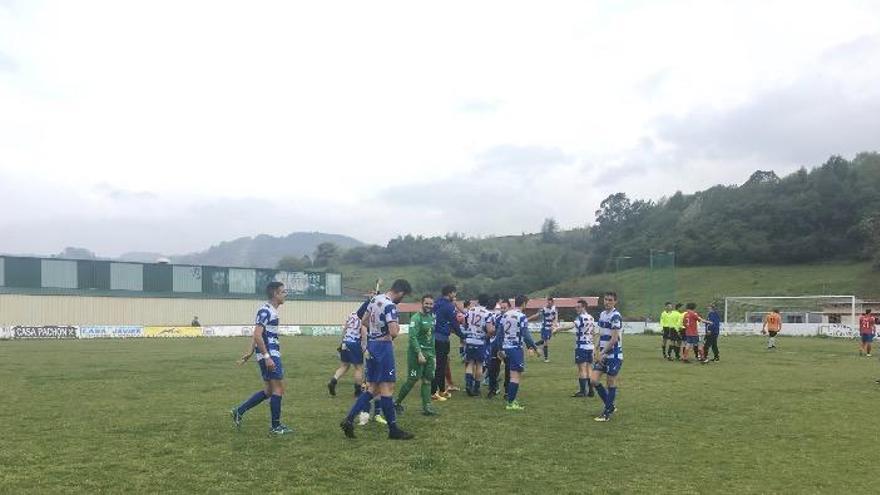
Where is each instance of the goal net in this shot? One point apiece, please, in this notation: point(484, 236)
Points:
point(830, 315)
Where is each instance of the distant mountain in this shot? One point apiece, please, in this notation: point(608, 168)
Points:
point(264, 251)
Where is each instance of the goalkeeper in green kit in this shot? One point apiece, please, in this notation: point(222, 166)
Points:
point(421, 358)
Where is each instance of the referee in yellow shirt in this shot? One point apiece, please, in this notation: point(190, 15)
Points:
point(667, 323)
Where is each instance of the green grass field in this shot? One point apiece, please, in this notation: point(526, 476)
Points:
point(706, 284)
point(152, 416)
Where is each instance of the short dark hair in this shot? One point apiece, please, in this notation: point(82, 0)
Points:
point(667, 303)
point(691, 306)
point(583, 302)
point(678, 305)
point(466, 303)
point(271, 287)
point(402, 286)
point(521, 299)
point(775, 310)
point(868, 311)
point(549, 298)
point(504, 300)
point(427, 296)
point(612, 294)
point(447, 289)
point(484, 300)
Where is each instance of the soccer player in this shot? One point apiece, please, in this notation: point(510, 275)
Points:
point(692, 319)
point(381, 325)
point(678, 334)
point(479, 326)
point(668, 321)
point(350, 354)
point(772, 326)
point(549, 321)
point(866, 331)
point(584, 327)
point(495, 361)
point(514, 332)
point(609, 359)
point(444, 324)
point(421, 361)
point(713, 331)
point(268, 350)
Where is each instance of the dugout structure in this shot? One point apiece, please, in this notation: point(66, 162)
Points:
point(833, 315)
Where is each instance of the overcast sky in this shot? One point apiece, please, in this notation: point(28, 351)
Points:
point(171, 126)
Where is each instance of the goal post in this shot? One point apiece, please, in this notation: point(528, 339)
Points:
point(834, 315)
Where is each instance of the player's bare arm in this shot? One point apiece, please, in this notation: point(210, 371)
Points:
point(261, 346)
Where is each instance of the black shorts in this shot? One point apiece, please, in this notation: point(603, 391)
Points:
point(668, 333)
point(677, 336)
point(772, 333)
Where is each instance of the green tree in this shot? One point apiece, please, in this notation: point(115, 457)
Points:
point(326, 254)
point(294, 263)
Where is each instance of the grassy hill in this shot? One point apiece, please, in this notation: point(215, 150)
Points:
point(703, 285)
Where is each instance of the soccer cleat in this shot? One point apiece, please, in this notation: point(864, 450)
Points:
point(716, 359)
point(578, 394)
point(363, 418)
point(591, 393)
point(398, 408)
point(430, 411)
point(867, 355)
point(669, 358)
point(448, 393)
point(491, 394)
point(280, 430)
point(347, 428)
point(546, 360)
point(331, 387)
point(452, 388)
point(398, 434)
point(379, 419)
point(514, 406)
point(236, 418)
point(602, 418)
point(438, 397)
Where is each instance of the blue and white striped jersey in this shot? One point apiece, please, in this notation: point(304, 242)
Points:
point(476, 320)
point(352, 332)
point(514, 326)
point(584, 326)
point(382, 312)
point(608, 322)
point(267, 317)
point(548, 316)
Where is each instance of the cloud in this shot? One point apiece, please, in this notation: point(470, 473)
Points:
point(514, 159)
point(480, 106)
point(832, 110)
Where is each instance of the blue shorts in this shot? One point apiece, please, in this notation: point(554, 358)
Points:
point(380, 366)
point(583, 356)
point(692, 339)
point(352, 353)
point(610, 366)
point(867, 338)
point(475, 352)
point(276, 374)
point(515, 359)
point(546, 334)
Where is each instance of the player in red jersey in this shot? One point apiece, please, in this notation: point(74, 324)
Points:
point(691, 334)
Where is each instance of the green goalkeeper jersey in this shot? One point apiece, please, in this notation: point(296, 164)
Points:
point(421, 334)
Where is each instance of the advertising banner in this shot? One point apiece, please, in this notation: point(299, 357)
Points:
point(110, 332)
point(44, 332)
point(5, 333)
point(228, 331)
point(172, 331)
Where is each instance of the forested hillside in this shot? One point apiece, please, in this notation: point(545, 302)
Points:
point(829, 213)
